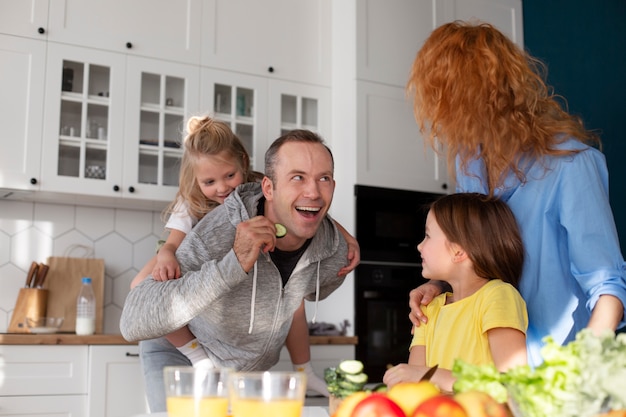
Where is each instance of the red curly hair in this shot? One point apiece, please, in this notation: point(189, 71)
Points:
point(474, 91)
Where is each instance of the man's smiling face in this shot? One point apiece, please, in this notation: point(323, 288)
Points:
point(301, 192)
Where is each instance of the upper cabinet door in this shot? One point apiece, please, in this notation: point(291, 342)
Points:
point(506, 15)
point(391, 151)
point(83, 120)
point(22, 78)
point(24, 18)
point(160, 97)
point(389, 34)
point(165, 29)
point(282, 39)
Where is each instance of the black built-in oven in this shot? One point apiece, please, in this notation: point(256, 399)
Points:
point(389, 225)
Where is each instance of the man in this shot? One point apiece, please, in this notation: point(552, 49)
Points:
point(241, 284)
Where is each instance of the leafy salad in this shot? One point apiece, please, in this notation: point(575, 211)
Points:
point(584, 378)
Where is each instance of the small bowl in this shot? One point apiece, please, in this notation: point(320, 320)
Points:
point(44, 325)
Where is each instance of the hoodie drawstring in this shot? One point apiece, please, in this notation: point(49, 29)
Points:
point(317, 292)
point(253, 300)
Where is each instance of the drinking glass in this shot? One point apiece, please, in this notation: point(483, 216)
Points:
point(276, 394)
point(196, 392)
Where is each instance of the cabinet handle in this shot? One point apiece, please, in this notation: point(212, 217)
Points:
point(116, 188)
point(444, 186)
point(132, 355)
point(33, 181)
point(41, 31)
point(131, 189)
point(129, 45)
point(270, 69)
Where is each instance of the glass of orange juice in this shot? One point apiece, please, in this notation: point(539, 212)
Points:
point(276, 394)
point(196, 392)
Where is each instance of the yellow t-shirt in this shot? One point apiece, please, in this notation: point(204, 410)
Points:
point(459, 330)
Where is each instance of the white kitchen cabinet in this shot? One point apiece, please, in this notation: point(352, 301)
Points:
point(21, 111)
point(24, 18)
point(43, 379)
point(506, 15)
point(390, 149)
point(281, 39)
point(116, 386)
point(74, 381)
point(259, 109)
point(112, 123)
point(164, 29)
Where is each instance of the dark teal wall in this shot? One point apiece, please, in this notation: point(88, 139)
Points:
point(583, 42)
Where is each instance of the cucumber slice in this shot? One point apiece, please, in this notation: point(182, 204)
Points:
point(280, 230)
point(349, 386)
point(351, 367)
point(360, 379)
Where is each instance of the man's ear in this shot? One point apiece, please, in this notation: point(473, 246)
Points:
point(268, 188)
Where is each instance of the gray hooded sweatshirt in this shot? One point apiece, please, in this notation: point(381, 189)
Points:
point(241, 319)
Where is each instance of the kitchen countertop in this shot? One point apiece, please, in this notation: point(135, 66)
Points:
point(116, 339)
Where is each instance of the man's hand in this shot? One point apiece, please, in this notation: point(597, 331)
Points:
point(422, 295)
point(253, 236)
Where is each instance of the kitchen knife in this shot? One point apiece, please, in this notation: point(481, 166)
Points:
point(429, 374)
point(32, 273)
point(41, 275)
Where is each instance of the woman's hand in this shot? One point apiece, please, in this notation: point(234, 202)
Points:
point(422, 295)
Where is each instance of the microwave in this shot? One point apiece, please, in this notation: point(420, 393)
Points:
point(390, 223)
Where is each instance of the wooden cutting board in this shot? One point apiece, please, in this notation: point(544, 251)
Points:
point(64, 281)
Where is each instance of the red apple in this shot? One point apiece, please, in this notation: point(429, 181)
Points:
point(440, 406)
point(377, 405)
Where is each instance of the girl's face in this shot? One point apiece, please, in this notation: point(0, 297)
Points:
point(217, 176)
point(436, 251)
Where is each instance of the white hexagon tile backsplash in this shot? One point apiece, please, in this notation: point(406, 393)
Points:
point(29, 231)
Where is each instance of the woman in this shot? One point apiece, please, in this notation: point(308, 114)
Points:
point(485, 100)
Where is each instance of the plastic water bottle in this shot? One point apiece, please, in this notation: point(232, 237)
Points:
point(86, 309)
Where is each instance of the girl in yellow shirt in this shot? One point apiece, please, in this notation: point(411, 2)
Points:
point(472, 243)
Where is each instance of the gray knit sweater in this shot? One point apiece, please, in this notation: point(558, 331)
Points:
point(241, 319)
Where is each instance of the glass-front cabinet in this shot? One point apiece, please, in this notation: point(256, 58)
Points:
point(241, 102)
point(155, 123)
point(298, 106)
point(113, 123)
point(260, 110)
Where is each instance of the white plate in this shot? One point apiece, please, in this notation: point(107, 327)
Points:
point(43, 330)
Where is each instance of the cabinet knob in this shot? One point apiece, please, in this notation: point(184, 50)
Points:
point(270, 69)
point(129, 45)
point(116, 188)
point(33, 181)
point(444, 186)
point(41, 31)
point(131, 189)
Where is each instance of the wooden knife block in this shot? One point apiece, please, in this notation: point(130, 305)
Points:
point(31, 303)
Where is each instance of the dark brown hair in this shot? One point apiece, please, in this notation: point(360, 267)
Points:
point(486, 229)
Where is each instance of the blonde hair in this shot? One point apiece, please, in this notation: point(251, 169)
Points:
point(475, 91)
point(207, 136)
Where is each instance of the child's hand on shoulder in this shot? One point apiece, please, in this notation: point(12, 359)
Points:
point(166, 267)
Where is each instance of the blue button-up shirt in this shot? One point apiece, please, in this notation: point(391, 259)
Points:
point(572, 248)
